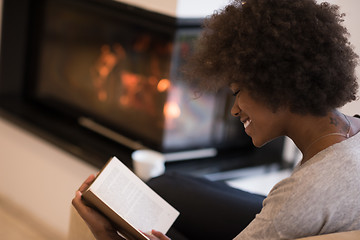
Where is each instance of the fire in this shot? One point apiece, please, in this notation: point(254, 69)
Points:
point(163, 85)
point(172, 110)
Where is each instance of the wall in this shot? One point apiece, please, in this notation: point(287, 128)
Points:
point(39, 177)
point(163, 6)
point(198, 8)
point(351, 8)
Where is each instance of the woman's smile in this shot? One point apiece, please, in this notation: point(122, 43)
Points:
point(246, 123)
point(260, 122)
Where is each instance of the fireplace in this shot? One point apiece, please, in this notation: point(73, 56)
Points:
point(100, 77)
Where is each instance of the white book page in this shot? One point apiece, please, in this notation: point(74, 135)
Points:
point(132, 199)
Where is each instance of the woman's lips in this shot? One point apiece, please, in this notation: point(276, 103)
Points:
point(246, 123)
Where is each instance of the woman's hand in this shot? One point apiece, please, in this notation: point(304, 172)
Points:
point(156, 235)
point(100, 226)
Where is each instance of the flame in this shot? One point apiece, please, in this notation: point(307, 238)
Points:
point(163, 85)
point(130, 83)
point(104, 71)
point(172, 110)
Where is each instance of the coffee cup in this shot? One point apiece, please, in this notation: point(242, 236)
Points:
point(148, 163)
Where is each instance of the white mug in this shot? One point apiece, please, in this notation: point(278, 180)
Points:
point(148, 163)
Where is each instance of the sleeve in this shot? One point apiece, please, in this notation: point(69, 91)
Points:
point(262, 227)
point(287, 213)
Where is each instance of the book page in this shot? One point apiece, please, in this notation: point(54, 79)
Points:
point(132, 199)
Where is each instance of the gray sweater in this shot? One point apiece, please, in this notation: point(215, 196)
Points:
point(321, 196)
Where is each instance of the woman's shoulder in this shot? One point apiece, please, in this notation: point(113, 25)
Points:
point(309, 195)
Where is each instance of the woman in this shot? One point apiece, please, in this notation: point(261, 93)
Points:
point(290, 67)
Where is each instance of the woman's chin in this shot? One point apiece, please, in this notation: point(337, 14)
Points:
point(256, 144)
point(259, 143)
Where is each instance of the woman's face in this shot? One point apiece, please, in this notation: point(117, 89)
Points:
point(261, 123)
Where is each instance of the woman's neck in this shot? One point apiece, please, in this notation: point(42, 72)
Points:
point(312, 134)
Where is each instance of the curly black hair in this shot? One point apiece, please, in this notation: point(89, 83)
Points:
point(287, 53)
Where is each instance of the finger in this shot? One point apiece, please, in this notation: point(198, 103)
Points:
point(84, 211)
point(97, 223)
point(151, 236)
point(159, 235)
point(86, 183)
point(78, 204)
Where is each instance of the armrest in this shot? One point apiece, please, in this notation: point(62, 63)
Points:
point(352, 235)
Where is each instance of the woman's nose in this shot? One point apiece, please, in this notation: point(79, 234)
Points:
point(235, 110)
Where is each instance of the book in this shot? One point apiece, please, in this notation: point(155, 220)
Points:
point(128, 202)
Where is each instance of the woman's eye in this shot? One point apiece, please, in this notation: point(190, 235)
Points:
point(236, 93)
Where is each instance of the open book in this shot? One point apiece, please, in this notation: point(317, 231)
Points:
point(128, 202)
